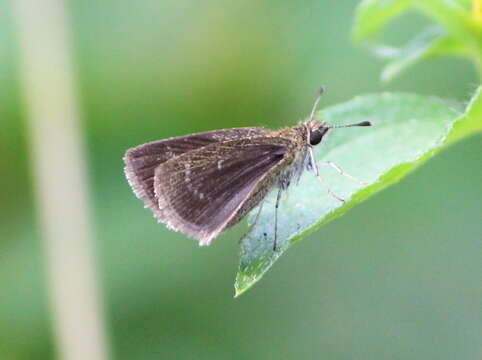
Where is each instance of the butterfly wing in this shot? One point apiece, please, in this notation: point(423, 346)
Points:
point(201, 192)
point(141, 161)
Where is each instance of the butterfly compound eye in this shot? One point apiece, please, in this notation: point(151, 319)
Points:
point(317, 135)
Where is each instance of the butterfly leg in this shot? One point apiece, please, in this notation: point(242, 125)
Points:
point(278, 197)
point(341, 172)
point(314, 165)
point(254, 223)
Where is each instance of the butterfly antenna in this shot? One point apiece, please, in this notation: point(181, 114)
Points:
point(363, 123)
point(315, 105)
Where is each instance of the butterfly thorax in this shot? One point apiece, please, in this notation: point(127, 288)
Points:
point(296, 158)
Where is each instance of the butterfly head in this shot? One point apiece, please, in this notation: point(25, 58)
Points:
point(317, 130)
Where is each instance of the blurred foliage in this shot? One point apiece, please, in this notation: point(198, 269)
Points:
point(458, 33)
point(402, 279)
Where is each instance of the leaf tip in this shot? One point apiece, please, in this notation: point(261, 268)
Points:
point(243, 282)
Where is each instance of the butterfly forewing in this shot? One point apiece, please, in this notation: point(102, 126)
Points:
point(202, 191)
point(142, 160)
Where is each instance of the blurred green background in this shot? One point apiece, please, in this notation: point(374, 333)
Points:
point(398, 277)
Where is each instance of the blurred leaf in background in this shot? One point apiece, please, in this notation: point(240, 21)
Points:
point(458, 31)
point(397, 277)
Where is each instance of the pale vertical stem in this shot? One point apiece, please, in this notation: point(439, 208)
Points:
point(60, 178)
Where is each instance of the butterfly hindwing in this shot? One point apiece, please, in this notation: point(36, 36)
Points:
point(141, 161)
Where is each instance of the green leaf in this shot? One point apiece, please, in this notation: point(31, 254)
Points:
point(407, 129)
point(431, 42)
point(372, 15)
point(457, 19)
point(422, 46)
point(463, 4)
point(471, 120)
point(460, 23)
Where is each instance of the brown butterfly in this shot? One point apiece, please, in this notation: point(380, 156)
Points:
point(202, 184)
